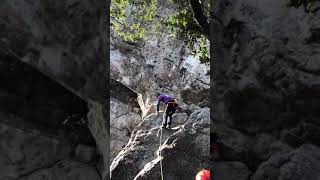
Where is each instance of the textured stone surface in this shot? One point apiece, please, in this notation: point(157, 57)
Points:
point(231, 170)
point(160, 63)
point(152, 121)
point(99, 128)
point(24, 151)
point(84, 153)
point(266, 100)
point(300, 164)
point(140, 159)
point(61, 39)
point(123, 120)
point(65, 170)
point(48, 105)
point(40, 121)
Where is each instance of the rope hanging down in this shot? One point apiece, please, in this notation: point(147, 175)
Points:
point(160, 155)
point(163, 120)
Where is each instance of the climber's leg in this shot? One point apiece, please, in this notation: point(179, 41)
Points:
point(170, 119)
point(165, 120)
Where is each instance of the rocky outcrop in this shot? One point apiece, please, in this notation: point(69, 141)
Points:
point(140, 159)
point(157, 63)
point(125, 114)
point(65, 170)
point(99, 129)
point(231, 170)
point(266, 83)
point(123, 119)
point(24, 152)
point(39, 117)
point(160, 63)
point(302, 163)
point(53, 53)
point(60, 39)
point(124, 94)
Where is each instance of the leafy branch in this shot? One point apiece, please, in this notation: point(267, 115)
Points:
point(131, 18)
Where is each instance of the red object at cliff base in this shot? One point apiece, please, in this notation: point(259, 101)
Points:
point(203, 175)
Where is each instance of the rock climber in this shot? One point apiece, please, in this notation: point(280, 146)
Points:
point(203, 175)
point(171, 107)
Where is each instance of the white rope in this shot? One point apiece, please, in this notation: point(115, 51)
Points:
point(163, 120)
point(160, 154)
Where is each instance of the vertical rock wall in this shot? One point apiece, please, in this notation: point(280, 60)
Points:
point(63, 40)
point(266, 86)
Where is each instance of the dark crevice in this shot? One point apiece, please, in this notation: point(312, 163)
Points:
point(41, 103)
point(123, 93)
point(314, 37)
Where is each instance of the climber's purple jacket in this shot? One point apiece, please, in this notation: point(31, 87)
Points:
point(164, 99)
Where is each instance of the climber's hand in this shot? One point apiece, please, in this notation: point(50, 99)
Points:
point(157, 113)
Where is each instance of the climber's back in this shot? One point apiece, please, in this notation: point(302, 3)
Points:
point(164, 98)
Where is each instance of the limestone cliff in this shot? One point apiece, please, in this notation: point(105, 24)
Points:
point(53, 95)
point(159, 63)
point(266, 90)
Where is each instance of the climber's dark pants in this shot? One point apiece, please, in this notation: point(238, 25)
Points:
point(169, 112)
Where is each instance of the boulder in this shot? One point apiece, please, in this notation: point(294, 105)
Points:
point(123, 119)
point(140, 159)
point(229, 170)
point(300, 164)
point(24, 151)
point(85, 153)
point(64, 170)
point(266, 87)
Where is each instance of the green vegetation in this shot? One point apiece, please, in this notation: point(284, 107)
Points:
point(134, 19)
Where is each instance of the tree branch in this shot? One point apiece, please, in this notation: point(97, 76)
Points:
point(199, 17)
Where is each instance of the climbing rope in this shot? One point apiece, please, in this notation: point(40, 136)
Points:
point(163, 120)
point(160, 155)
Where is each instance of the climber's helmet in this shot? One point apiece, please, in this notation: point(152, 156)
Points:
point(157, 95)
point(203, 175)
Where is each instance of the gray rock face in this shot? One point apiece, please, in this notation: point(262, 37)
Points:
point(157, 63)
point(122, 93)
point(266, 96)
point(160, 63)
point(84, 153)
point(269, 81)
point(49, 104)
point(300, 164)
point(235, 145)
point(99, 129)
point(60, 39)
point(232, 170)
point(267, 145)
point(65, 170)
point(184, 150)
point(23, 152)
point(40, 122)
point(152, 121)
point(123, 120)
